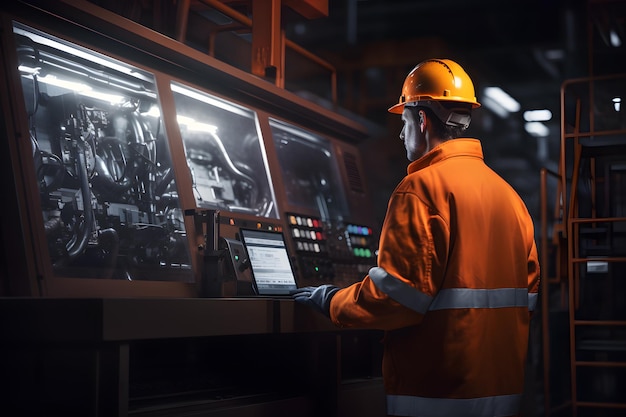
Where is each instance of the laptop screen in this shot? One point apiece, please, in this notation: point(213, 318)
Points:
point(269, 261)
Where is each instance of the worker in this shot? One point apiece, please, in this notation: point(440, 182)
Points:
point(457, 274)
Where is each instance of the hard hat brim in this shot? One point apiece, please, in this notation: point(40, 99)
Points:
point(399, 108)
point(396, 108)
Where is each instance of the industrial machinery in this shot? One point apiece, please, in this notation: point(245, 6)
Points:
point(127, 157)
point(131, 163)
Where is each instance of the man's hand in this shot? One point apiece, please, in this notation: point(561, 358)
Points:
point(316, 297)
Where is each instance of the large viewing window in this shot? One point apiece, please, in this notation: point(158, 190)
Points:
point(309, 171)
point(104, 174)
point(224, 154)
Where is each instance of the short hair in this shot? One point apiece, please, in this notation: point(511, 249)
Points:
point(444, 131)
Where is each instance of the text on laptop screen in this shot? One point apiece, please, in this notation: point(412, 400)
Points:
point(269, 260)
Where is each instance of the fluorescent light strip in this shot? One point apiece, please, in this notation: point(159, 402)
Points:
point(81, 88)
point(193, 125)
point(213, 101)
point(82, 53)
point(537, 129)
point(494, 107)
point(502, 98)
point(537, 115)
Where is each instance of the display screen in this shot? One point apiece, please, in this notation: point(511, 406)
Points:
point(224, 154)
point(104, 174)
point(309, 171)
point(269, 261)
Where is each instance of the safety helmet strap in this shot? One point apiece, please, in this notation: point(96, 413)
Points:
point(456, 116)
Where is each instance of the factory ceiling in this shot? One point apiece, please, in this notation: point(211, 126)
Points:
point(528, 48)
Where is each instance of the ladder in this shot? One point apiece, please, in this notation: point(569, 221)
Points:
point(593, 150)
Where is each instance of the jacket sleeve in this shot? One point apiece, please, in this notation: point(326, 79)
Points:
point(411, 261)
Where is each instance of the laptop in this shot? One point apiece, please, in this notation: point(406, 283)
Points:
point(269, 262)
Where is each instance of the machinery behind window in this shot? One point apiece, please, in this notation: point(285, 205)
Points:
point(123, 155)
point(224, 153)
point(106, 185)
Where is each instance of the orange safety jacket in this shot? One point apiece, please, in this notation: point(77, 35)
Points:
point(455, 286)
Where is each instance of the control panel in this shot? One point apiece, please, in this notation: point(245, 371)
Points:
point(331, 251)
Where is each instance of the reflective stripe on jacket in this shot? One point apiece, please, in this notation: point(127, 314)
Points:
point(456, 283)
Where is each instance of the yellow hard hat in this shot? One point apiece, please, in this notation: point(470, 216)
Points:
point(436, 80)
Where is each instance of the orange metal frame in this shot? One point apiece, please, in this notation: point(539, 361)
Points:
point(573, 223)
point(269, 44)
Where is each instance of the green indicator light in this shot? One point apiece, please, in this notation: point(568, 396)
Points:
point(317, 269)
point(236, 257)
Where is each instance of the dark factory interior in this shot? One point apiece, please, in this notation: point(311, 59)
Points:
point(170, 324)
point(526, 48)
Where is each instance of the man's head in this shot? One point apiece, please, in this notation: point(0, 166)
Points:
point(436, 103)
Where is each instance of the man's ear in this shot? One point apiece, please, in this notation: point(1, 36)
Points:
point(422, 118)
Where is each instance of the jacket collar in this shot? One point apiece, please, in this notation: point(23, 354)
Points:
point(447, 149)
